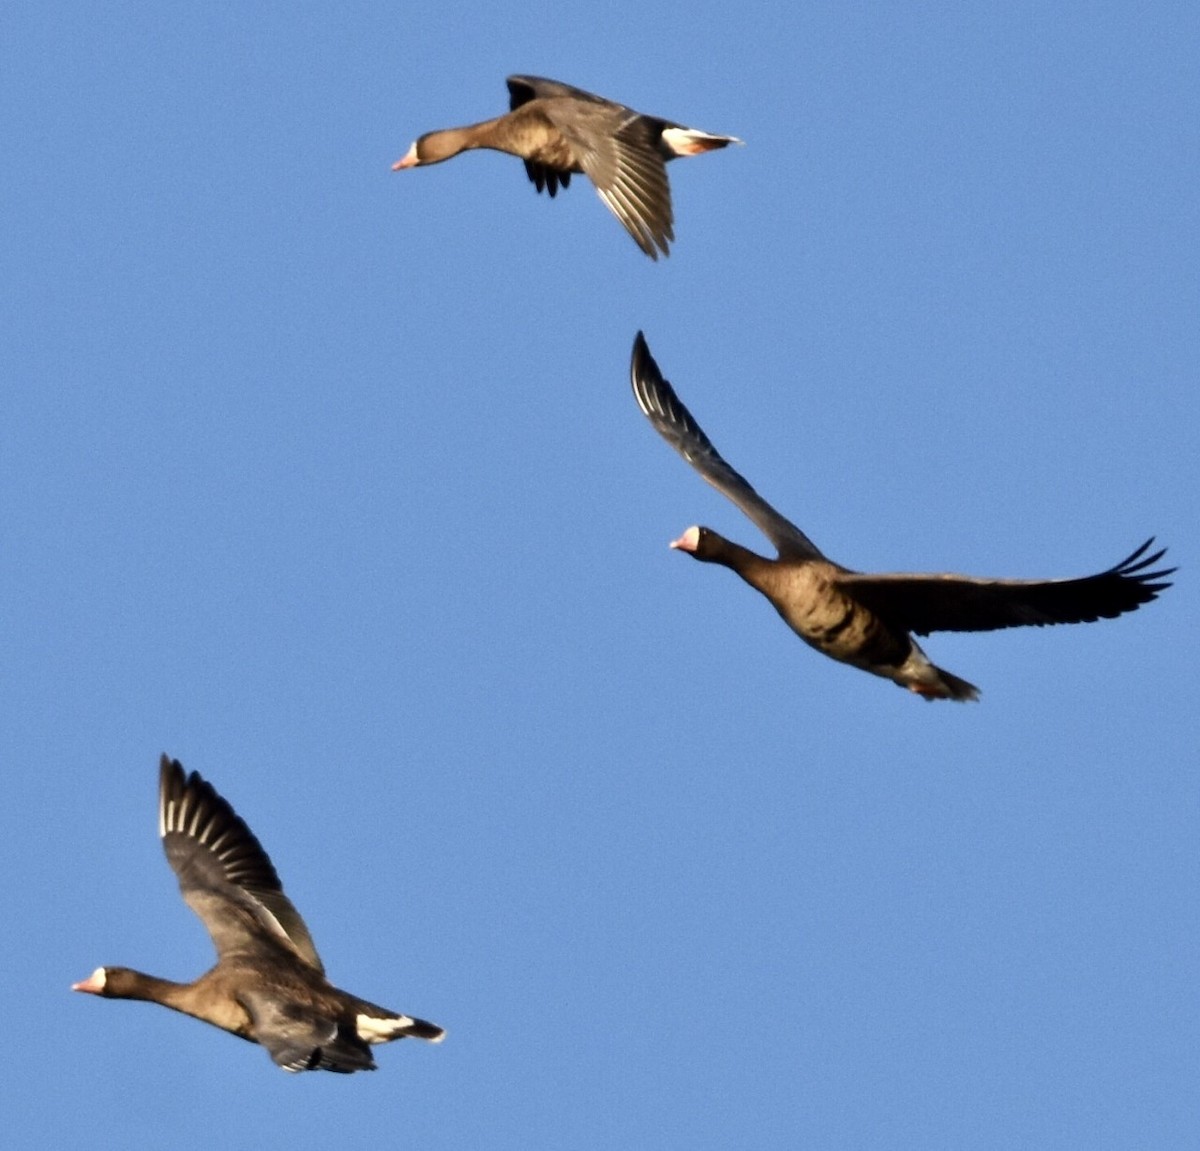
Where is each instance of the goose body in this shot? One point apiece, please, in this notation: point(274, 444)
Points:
point(558, 130)
point(268, 985)
point(866, 620)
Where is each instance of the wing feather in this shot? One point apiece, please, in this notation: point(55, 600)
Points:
point(224, 874)
point(663, 408)
point(625, 164)
point(927, 603)
point(522, 89)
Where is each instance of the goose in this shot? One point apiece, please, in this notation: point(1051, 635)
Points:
point(268, 985)
point(558, 130)
point(868, 620)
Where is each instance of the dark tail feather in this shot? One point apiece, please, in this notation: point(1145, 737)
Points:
point(944, 686)
point(955, 688)
point(420, 1029)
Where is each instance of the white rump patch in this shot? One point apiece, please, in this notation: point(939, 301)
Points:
point(691, 141)
point(373, 1030)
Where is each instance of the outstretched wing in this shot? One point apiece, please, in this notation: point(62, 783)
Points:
point(224, 874)
point(926, 603)
point(522, 89)
point(675, 424)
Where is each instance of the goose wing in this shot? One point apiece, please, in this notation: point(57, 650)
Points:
point(926, 603)
point(618, 149)
point(225, 876)
point(522, 89)
point(663, 408)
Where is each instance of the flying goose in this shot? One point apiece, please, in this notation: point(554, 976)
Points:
point(268, 985)
point(866, 620)
point(558, 130)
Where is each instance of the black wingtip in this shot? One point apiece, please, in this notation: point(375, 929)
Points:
point(656, 397)
point(1134, 566)
point(644, 375)
point(642, 362)
point(172, 778)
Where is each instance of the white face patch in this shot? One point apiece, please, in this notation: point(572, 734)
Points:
point(689, 541)
point(374, 1030)
point(410, 159)
point(94, 983)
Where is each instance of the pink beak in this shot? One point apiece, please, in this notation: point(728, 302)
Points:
point(409, 160)
point(689, 541)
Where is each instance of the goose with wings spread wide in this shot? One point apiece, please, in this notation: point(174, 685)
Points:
point(867, 620)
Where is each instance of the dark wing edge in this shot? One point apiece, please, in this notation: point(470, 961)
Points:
point(671, 419)
point(928, 603)
point(522, 89)
point(199, 827)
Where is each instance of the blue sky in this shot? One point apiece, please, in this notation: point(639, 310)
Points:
point(328, 480)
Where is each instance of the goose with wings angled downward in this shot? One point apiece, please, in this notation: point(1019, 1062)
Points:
point(866, 620)
point(268, 985)
point(558, 130)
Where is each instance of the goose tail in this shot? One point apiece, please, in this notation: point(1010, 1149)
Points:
point(944, 685)
point(377, 1026)
point(691, 141)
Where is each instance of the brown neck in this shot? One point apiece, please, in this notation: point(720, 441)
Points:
point(716, 549)
point(208, 998)
point(124, 983)
point(449, 142)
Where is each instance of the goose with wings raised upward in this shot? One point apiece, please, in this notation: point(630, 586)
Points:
point(558, 130)
point(268, 985)
point(866, 620)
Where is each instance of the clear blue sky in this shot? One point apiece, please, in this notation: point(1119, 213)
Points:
point(328, 481)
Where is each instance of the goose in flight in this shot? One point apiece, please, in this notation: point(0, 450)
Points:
point(268, 985)
point(868, 620)
point(558, 130)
